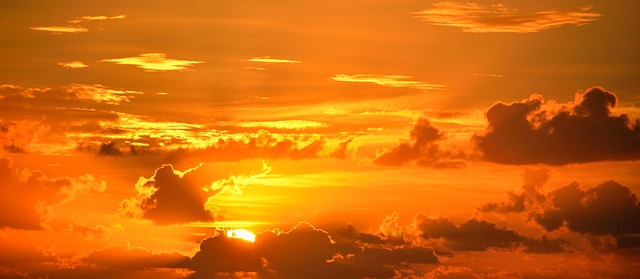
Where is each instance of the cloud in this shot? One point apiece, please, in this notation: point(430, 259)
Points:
point(344, 150)
point(68, 94)
point(473, 17)
point(479, 235)
point(531, 195)
point(284, 124)
point(124, 256)
point(155, 62)
point(73, 65)
point(532, 131)
point(423, 149)
point(608, 208)
point(396, 81)
point(61, 29)
point(271, 60)
point(265, 145)
point(19, 136)
point(27, 197)
point(94, 232)
point(94, 18)
point(175, 197)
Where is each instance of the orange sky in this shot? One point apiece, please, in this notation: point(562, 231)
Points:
point(352, 139)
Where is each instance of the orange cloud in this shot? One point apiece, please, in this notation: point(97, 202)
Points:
point(27, 197)
point(423, 149)
point(73, 65)
point(472, 17)
point(155, 62)
point(61, 29)
point(271, 60)
point(387, 81)
point(532, 131)
point(284, 124)
point(93, 18)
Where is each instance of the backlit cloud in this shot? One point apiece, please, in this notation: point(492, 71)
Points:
point(93, 18)
point(271, 60)
point(534, 131)
point(284, 124)
point(473, 17)
point(387, 81)
point(155, 62)
point(60, 29)
point(73, 65)
point(423, 149)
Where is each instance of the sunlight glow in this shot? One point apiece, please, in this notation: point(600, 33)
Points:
point(242, 234)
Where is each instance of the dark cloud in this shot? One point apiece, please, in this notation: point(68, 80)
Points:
point(531, 194)
point(584, 131)
point(109, 149)
point(123, 256)
point(422, 149)
point(169, 197)
point(27, 197)
point(608, 208)
point(479, 235)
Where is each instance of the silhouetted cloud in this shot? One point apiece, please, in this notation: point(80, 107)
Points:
point(584, 131)
point(27, 197)
point(174, 197)
point(608, 208)
point(479, 235)
point(423, 149)
point(530, 196)
point(473, 17)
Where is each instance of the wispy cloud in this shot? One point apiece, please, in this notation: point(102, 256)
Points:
point(284, 124)
point(387, 81)
point(472, 17)
point(60, 29)
point(154, 62)
point(73, 65)
point(271, 60)
point(488, 75)
point(92, 18)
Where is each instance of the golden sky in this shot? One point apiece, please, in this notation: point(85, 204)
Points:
point(319, 139)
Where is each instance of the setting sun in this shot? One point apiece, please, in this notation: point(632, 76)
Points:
point(395, 139)
point(242, 234)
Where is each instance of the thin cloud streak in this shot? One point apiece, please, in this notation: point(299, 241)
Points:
point(396, 81)
point(73, 65)
point(271, 60)
point(93, 18)
point(61, 29)
point(155, 62)
point(477, 18)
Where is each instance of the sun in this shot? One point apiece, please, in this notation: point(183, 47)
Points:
point(242, 234)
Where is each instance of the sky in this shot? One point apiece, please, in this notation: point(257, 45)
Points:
point(319, 139)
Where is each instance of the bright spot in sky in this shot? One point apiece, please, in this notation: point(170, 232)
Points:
point(242, 234)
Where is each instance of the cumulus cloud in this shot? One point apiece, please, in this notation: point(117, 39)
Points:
point(155, 62)
point(423, 149)
point(608, 208)
point(531, 195)
point(27, 197)
point(534, 131)
point(480, 235)
point(174, 197)
point(478, 18)
point(387, 81)
point(19, 136)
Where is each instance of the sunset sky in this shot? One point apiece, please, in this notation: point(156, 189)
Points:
point(319, 139)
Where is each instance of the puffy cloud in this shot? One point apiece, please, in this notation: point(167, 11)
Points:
point(27, 197)
point(472, 17)
point(174, 197)
point(19, 136)
point(155, 62)
point(344, 150)
point(608, 208)
point(423, 149)
point(530, 196)
point(584, 131)
point(479, 235)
